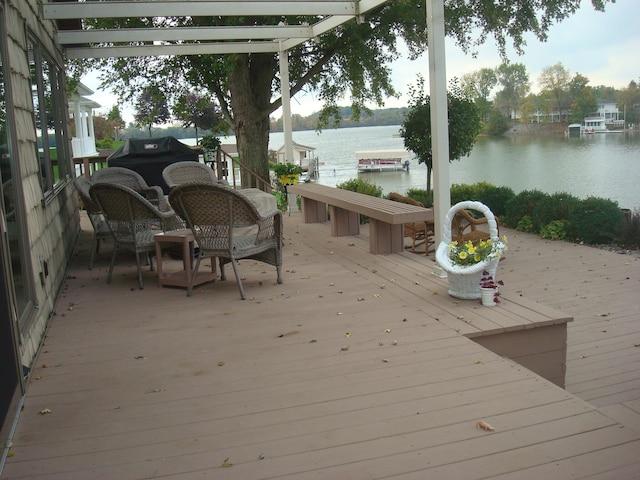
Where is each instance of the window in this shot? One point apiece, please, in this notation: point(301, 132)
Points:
point(14, 247)
point(47, 89)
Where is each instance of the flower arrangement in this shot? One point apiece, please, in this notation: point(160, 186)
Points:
point(468, 253)
point(487, 281)
point(281, 169)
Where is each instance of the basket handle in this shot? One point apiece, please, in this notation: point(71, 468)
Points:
point(469, 205)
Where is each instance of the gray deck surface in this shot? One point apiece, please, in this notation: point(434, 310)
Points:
point(345, 371)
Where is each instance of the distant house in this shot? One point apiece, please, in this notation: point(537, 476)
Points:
point(302, 155)
point(607, 118)
point(83, 144)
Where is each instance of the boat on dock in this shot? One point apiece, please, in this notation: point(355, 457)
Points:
point(382, 160)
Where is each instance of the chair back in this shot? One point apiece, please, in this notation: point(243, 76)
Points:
point(128, 178)
point(120, 176)
point(131, 218)
point(213, 212)
point(83, 184)
point(180, 173)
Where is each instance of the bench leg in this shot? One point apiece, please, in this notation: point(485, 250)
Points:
point(314, 211)
point(344, 222)
point(385, 238)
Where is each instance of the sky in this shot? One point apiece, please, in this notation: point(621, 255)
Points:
point(602, 46)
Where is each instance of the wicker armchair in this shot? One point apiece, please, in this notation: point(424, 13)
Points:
point(132, 220)
point(420, 233)
point(128, 178)
point(227, 225)
point(100, 227)
point(466, 227)
point(180, 173)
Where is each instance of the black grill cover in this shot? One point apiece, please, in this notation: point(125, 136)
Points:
point(150, 156)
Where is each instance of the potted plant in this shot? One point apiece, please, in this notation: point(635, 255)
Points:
point(210, 145)
point(288, 173)
point(489, 289)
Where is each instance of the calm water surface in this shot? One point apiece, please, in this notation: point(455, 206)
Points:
point(603, 165)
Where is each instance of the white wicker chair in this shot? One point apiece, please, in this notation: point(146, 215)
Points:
point(132, 220)
point(100, 227)
point(227, 225)
point(181, 173)
point(129, 178)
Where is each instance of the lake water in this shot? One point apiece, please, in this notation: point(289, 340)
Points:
point(602, 165)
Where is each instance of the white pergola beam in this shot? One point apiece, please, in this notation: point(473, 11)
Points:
point(257, 38)
point(183, 49)
point(176, 34)
point(73, 10)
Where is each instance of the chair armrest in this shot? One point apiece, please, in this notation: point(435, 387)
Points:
point(269, 226)
point(155, 195)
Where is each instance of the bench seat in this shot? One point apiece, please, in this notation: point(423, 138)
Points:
point(386, 217)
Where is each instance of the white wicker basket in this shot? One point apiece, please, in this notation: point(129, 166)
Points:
point(464, 281)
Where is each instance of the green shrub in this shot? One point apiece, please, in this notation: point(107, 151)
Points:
point(595, 221)
point(522, 205)
point(421, 196)
point(462, 193)
point(493, 197)
point(525, 224)
point(106, 143)
point(554, 230)
point(496, 198)
point(361, 186)
point(553, 207)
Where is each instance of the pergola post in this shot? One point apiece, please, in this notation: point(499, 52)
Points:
point(439, 118)
point(286, 105)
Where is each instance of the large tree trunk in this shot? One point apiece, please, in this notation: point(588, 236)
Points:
point(250, 88)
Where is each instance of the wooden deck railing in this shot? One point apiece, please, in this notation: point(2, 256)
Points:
point(221, 163)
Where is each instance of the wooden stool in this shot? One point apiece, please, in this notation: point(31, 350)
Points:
point(181, 278)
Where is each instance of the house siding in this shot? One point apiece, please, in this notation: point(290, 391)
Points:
point(51, 224)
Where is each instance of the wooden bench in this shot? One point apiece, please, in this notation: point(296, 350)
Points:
point(386, 218)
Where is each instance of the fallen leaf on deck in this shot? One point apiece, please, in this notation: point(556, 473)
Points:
point(226, 463)
point(604, 314)
point(221, 364)
point(44, 411)
point(485, 426)
point(288, 334)
point(344, 348)
point(348, 334)
point(385, 360)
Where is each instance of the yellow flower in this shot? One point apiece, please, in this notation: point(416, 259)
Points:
point(477, 258)
point(462, 255)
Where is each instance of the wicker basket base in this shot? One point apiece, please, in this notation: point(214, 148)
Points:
point(467, 285)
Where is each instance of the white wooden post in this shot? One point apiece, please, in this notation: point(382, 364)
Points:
point(439, 118)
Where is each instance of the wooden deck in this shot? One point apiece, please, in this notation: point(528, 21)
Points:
point(346, 371)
